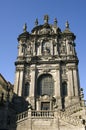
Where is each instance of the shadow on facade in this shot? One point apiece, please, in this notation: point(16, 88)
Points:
point(9, 111)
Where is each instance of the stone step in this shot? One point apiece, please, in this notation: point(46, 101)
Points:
point(72, 109)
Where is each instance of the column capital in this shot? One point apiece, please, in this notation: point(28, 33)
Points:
point(19, 68)
point(73, 67)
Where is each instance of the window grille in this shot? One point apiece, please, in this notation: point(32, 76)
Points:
point(64, 89)
point(45, 85)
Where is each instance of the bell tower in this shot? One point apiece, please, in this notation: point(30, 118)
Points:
point(47, 66)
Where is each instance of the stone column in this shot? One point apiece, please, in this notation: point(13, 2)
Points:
point(57, 87)
point(67, 46)
point(38, 105)
point(70, 82)
point(20, 83)
point(34, 49)
point(32, 90)
point(40, 49)
point(76, 81)
point(57, 84)
point(73, 50)
point(32, 87)
point(19, 49)
point(55, 50)
point(51, 48)
point(16, 84)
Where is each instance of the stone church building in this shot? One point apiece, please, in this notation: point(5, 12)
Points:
point(46, 92)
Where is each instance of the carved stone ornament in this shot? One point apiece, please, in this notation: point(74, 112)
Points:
point(46, 70)
point(63, 49)
point(28, 51)
point(72, 67)
point(19, 68)
point(57, 67)
point(27, 77)
point(45, 31)
point(63, 71)
point(44, 97)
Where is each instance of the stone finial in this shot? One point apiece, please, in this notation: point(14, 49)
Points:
point(81, 93)
point(55, 21)
point(67, 25)
point(25, 27)
point(36, 22)
point(46, 18)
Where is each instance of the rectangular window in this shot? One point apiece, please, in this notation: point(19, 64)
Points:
point(45, 105)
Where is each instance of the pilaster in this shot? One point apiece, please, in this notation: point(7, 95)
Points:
point(58, 87)
point(57, 84)
point(20, 83)
point(76, 83)
point(16, 84)
point(67, 46)
point(70, 82)
point(40, 49)
point(55, 50)
point(32, 87)
point(51, 48)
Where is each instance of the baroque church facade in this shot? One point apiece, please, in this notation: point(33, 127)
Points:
point(47, 93)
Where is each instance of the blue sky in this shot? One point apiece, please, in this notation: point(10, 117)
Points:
point(13, 15)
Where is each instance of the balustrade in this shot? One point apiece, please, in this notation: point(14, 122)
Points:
point(51, 114)
point(35, 114)
point(22, 115)
point(72, 109)
point(42, 114)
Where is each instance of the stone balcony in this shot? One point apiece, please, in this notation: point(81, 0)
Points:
point(53, 115)
point(35, 114)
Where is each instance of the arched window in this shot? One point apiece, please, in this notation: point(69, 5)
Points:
point(26, 90)
point(64, 89)
point(45, 85)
